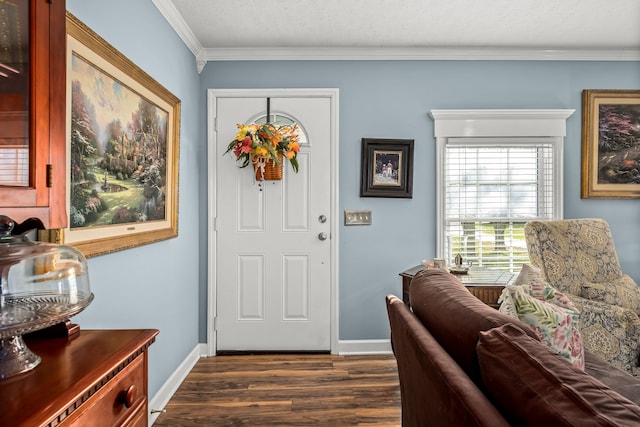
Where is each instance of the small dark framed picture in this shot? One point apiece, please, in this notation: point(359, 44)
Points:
point(387, 168)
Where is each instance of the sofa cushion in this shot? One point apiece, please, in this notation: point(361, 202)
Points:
point(434, 390)
point(533, 386)
point(619, 380)
point(455, 317)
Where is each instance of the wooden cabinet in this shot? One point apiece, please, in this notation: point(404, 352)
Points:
point(97, 379)
point(33, 111)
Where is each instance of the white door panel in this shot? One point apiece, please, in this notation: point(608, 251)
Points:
point(273, 273)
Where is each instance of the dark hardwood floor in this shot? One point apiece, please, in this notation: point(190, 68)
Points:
point(287, 390)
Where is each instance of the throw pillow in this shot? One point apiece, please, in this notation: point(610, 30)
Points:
point(507, 306)
point(547, 293)
point(552, 316)
point(532, 386)
point(529, 273)
point(530, 280)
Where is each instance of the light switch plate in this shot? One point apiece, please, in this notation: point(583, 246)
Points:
point(357, 217)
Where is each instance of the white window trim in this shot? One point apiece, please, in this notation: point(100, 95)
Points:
point(548, 123)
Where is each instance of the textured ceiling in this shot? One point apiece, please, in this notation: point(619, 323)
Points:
point(542, 24)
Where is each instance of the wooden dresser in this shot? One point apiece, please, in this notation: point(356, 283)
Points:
point(98, 378)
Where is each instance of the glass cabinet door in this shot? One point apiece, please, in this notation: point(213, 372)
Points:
point(14, 93)
point(33, 111)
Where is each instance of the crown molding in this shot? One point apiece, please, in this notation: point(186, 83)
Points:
point(203, 55)
point(417, 54)
point(177, 22)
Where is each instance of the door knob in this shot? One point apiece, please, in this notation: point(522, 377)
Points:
point(322, 219)
point(322, 236)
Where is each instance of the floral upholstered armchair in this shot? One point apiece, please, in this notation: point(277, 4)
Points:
point(578, 257)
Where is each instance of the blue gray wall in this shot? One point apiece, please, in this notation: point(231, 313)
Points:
point(163, 285)
point(154, 286)
point(392, 99)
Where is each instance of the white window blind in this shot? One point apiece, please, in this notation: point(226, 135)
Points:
point(492, 187)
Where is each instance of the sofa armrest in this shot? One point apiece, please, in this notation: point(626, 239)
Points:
point(622, 291)
point(610, 332)
point(434, 390)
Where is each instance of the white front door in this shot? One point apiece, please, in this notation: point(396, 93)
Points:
point(273, 253)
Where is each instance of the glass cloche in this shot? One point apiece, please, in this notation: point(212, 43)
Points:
point(41, 284)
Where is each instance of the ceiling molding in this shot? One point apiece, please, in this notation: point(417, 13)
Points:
point(417, 54)
point(204, 55)
point(171, 14)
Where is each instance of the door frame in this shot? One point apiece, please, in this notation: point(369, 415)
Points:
point(212, 96)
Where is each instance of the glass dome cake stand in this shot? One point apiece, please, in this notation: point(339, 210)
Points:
point(41, 284)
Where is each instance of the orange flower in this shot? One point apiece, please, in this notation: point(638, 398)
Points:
point(275, 139)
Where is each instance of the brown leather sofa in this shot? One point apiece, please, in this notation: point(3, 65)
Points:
point(463, 363)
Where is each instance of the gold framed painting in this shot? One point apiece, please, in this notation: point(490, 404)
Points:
point(610, 144)
point(122, 150)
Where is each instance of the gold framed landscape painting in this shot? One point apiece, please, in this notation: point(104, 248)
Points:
point(611, 144)
point(122, 149)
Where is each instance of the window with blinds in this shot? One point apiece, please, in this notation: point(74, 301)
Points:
point(491, 188)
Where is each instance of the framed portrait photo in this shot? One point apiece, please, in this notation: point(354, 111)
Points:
point(611, 144)
point(386, 168)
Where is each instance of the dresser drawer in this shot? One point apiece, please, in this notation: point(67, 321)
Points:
point(119, 402)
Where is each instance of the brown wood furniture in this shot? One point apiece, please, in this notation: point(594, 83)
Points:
point(42, 92)
point(485, 283)
point(98, 378)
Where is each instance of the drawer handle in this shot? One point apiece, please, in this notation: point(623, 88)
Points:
point(128, 396)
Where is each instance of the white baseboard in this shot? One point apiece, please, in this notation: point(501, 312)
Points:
point(162, 397)
point(353, 347)
point(204, 350)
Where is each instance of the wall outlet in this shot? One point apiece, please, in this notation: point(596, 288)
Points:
point(357, 217)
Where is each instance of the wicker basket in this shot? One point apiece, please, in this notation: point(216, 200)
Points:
point(272, 170)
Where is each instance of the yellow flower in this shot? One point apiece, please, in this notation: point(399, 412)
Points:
point(261, 151)
point(289, 154)
point(242, 132)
